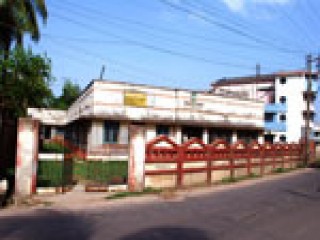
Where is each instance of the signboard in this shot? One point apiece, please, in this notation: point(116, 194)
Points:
point(135, 99)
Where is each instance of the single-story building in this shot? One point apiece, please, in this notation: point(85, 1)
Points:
point(98, 121)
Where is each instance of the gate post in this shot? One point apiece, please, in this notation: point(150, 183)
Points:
point(27, 154)
point(137, 151)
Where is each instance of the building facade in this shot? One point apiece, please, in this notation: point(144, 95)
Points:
point(284, 95)
point(99, 120)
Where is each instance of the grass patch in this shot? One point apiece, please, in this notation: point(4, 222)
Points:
point(145, 191)
point(233, 180)
point(281, 170)
point(229, 180)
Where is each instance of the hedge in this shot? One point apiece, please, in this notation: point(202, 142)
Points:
point(50, 173)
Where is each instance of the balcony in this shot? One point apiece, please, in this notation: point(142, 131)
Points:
point(275, 126)
point(309, 116)
point(311, 96)
point(275, 107)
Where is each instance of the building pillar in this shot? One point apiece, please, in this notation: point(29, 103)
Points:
point(150, 132)
point(261, 138)
point(136, 157)
point(234, 137)
point(27, 157)
point(178, 135)
point(205, 136)
point(53, 131)
point(124, 133)
point(95, 135)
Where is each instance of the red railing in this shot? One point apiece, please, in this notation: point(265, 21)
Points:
point(218, 156)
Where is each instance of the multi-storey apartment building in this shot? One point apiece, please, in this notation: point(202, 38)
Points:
point(99, 120)
point(284, 95)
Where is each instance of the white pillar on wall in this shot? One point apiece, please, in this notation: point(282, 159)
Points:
point(260, 138)
point(178, 135)
point(95, 135)
point(205, 136)
point(53, 131)
point(150, 132)
point(234, 137)
point(136, 157)
point(27, 157)
point(124, 133)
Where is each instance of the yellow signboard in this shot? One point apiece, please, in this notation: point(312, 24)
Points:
point(135, 99)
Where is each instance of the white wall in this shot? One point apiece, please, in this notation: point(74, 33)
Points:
point(293, 90)
point(168, 104)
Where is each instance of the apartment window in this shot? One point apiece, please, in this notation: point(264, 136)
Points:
point(268, 117)
point(283, 118)
point(283, 99)
point(283, 138)
point(111, 131)
point(162, 130)
point(283, 80)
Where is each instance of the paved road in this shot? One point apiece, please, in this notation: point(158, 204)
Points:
point(287, 208)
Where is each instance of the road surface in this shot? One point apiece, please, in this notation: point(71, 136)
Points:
point(286, 208)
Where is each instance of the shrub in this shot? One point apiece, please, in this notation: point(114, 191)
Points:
point(52, 147)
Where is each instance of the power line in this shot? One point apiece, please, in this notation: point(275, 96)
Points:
point(152, 47)
point(116, 20)
point(225, 26)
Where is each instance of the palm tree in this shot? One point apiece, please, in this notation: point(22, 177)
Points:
point(18, 18)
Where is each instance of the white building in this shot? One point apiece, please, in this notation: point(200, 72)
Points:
point(98, 121)
point(284, 94)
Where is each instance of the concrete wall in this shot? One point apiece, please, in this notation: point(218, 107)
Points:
point(27, 154)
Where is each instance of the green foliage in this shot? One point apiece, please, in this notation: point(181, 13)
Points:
point(145, 191)
point(27, 81)
point(18, 18)
point(50, 173)
point(54, 148)
point(70, 93)
point(100, 171)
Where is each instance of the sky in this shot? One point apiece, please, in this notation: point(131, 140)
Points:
point(176, 43)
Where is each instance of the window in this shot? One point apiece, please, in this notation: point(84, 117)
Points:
point(283, 99)
point(268, 117)
point(111, 131)
point(283, 80)
point(283, 117)
point(162, 130)
point(283, 138)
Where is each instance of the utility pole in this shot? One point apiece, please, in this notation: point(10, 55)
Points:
point(258, 70)
point(103, 68)
point(308, 99)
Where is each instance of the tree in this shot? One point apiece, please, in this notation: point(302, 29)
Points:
point(18, 18)
point(70, 92)
point(30, 78)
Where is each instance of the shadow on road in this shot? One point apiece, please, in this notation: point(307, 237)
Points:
point(168, 233)
point(62, 226)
